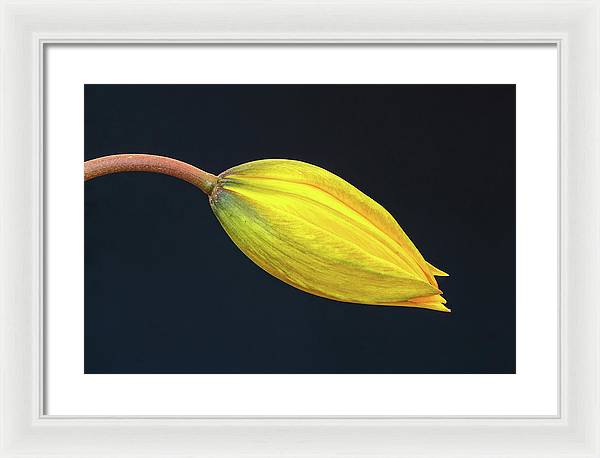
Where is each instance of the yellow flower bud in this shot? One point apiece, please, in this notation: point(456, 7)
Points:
point(318, 233)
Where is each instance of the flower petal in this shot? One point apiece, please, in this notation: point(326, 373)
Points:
point(310, 257)
point(290, 171)
point(316, 232)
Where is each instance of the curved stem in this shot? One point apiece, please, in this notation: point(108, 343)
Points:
point(119, 163)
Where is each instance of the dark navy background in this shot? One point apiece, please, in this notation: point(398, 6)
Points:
point(166, 291)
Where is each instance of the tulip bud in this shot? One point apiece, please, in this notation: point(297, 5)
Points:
point(315, 231)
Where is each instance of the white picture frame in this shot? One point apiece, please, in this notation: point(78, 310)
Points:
point(29, 26)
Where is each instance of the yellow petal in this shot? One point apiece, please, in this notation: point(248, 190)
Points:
point(435, 271)
point(315, 231)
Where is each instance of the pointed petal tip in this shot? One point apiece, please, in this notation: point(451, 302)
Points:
point(435, 306)
point(429, 302)
point(438, 307)
point(439, 273)
point(435, 271)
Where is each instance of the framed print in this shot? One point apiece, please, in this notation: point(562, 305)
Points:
point(335, 323)
point(365, 229)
